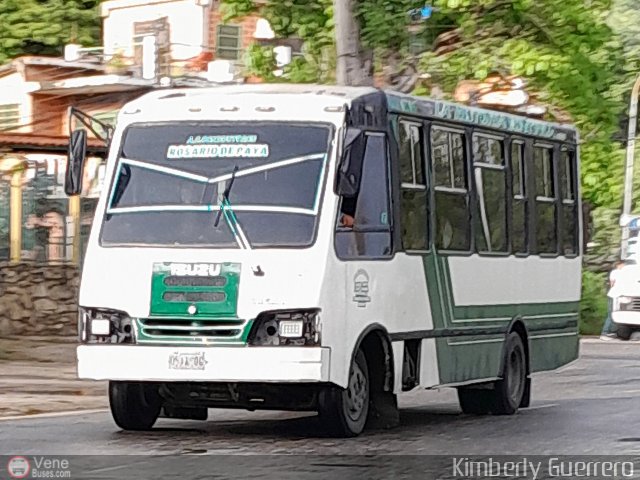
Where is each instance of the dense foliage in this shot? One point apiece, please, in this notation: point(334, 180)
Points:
point(574, 60)
point(43, 27)
point(593, 307)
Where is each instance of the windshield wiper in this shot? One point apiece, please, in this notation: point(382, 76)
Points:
point(225, 197)
point(230, 216)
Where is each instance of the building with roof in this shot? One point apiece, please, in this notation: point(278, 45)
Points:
point(147, 44)
point(35, 96)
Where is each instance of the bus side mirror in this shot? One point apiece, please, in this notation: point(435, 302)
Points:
point(75, 163)
point(350, 167)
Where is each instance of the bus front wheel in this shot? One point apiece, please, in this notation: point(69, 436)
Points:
point(134, 406)
point(344, 411)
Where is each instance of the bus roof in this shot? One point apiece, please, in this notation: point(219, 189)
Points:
point(396, 102)
point(347, 93)
point(481, 117)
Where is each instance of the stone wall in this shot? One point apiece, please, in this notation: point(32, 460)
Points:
point(38, 299)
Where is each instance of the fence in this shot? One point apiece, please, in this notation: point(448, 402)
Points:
point(38, 222)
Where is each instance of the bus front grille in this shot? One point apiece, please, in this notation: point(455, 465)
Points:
point(192, 297)
point(154, 329)
point(175, 281)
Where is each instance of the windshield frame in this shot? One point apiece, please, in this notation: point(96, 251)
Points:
point(321, 192)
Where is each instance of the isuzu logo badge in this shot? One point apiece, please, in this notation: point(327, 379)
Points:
point(195, 269)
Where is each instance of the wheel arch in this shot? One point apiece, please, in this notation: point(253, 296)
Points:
point(376, 345)
point(517, 325)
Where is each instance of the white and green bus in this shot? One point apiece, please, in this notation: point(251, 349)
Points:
point(325, 249)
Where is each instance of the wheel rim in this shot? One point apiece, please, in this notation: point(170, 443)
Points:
point(357, 393)
point(516, 375)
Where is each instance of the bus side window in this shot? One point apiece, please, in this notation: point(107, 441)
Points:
point(546, 232)
point(364, 222)
point(452, 214)
point(519, 228)
point(569, 205)
point(413, 187)
point(491, 188)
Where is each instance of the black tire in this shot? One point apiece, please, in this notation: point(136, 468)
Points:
point(134, 406)
point(475, 401)
point(344, 411)
point(526, 399)
point(624, 332)
point(510, 390)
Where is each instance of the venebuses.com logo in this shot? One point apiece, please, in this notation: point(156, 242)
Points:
point(38, 467)
point(18, 467)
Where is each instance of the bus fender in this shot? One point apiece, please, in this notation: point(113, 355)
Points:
point(383, 411)
point(517, 325)
point(386, 351)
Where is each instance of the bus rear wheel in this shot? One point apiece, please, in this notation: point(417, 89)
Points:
point(344, 410)
point(508, 393)
point(510, 390)
point(134, 406)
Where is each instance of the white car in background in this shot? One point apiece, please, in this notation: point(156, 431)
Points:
point(626, 298)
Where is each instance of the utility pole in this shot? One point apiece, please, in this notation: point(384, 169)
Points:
point(354, 64)
point(628, 178)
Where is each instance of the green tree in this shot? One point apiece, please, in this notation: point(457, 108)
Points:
point(382, 28)
point(625, 22)
point(43, 27)
point(574, 60)
point(309, 20)
point(571, 58)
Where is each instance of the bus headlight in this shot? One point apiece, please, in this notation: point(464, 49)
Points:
point(100, 327)
point(622, 303)
point(97, 325)
point(286, 328)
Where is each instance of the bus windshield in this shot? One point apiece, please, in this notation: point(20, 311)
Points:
point(173, 180)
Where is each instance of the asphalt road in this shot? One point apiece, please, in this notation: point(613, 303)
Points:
point(588, 408)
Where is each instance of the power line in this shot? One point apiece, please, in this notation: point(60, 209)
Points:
point(54, 68)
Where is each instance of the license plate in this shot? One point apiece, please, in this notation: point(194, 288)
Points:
point(187, 361)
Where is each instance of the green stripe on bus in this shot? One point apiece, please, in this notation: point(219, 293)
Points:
point(187, 341)
point(167, 305)
point(481, 356)
point(436, 299)
point(226, 308)
point(523, 310)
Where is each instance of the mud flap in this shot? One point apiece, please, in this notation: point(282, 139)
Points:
point(383, 411)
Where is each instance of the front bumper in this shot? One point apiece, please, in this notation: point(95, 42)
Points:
point(212, 364)
point(626, 317)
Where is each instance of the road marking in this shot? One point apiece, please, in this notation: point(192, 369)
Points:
point(117, 467)
point(611, 342)
point(539, 407)
point(53, 414)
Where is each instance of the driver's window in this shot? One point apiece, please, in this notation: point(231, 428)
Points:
point(364, 221)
